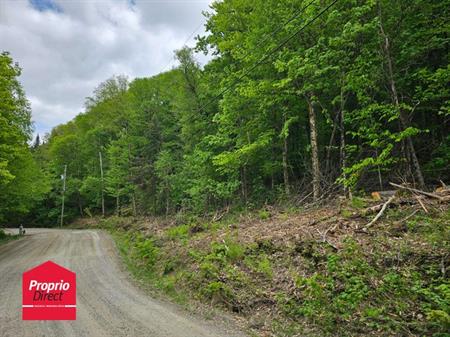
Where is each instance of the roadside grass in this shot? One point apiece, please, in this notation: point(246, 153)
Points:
point(392, 281)
point(4, 237)
point(141, 255)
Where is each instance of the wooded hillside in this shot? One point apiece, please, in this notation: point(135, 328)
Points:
point(301, 100)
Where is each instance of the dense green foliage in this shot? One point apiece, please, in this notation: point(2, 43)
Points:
point(22, 182)
point(358, 97)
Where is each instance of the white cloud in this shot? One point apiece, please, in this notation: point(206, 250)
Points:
point(66, 53)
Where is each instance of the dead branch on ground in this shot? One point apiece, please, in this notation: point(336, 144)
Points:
point(380, 213)
point(409, 216)
point(219, 215)
point(421, 203)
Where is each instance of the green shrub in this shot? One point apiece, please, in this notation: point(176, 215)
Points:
point(264, 214)
point(144, 250)
point(229, 250)
point(178, 232)
point(357, 202)
point(234, 251)
point(217, 289)
point(346, 213)
point(437, 304)
point(260, 264)
point(169, 267)
point(209, 270)
point(265, 267)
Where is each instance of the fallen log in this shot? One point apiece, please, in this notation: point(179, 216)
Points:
point(379, 195)
point(428, 194)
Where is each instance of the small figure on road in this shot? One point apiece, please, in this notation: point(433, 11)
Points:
point(21, 230)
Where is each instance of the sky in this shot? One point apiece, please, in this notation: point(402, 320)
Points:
point(68, 47)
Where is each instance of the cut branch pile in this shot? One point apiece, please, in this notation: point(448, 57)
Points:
point(442, 194)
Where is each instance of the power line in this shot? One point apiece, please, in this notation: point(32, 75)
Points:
point(292, 18)
point(184, 43)
point(269, 54)
point(265, 39)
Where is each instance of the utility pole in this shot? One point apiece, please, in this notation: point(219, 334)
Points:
point(101, 174)
point(64, 190)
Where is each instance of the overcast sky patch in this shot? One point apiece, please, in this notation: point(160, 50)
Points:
point(66, 48)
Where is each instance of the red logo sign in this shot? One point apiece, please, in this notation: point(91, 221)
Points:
point(49, 293)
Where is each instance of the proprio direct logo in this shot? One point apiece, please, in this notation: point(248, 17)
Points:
point(49, 293)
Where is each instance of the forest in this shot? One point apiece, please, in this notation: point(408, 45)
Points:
point(297, 180)
point(301, 100)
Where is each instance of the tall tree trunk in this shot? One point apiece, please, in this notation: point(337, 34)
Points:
point(272, 177)
point(285, 161)
point(244, 175)
point(244, 182)
point(285, 167)
point(167, 203)
point(314, 149)
point(403, 117)
point(102, 180)
point(380, 179)
point(133, 203)
point(330, 145)
point(80, 206)
point(342, 153)
point(130, 179)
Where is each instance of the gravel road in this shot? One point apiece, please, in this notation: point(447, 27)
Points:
point(108, 303)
